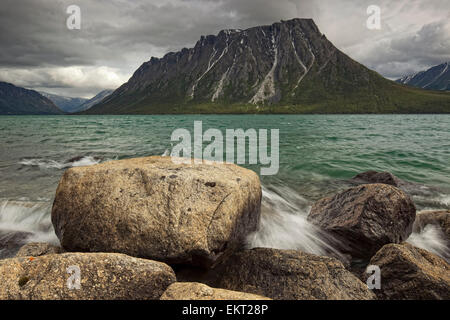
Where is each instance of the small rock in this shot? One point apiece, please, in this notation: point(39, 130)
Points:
point(199, 291)
point(379, 177)
point(290, 275)
point(365, 218)
point(103, 276)
point(36, 249)
point(408, 272)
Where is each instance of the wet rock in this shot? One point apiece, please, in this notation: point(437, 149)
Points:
point(103, 276)
point(36, 249)
point(365, 218)
point(290, 275)
point(424, 195)
point(408, 272)
point(199, 291)
point(379, 177)
point(153, 208)
point(11, 241)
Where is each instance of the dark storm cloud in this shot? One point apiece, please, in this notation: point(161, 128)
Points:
point(116, 36)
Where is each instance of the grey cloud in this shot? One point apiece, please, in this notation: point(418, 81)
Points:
point(410, 52)
point(37, 48)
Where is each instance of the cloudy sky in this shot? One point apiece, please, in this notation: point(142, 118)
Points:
point(38, 50)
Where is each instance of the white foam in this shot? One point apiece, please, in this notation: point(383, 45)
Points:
point(86, 161)
point(26, 216)
point(42, 163)
point(284, 224)
point(53, 164)
point(444, 199)
point(432, 239)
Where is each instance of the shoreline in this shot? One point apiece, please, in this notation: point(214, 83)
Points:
point(218, 269)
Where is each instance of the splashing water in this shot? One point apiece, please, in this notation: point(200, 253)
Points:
point(284, 225)
point(432, 239)
point(22, 222)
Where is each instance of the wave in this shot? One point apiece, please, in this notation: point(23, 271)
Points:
point(284, 225)
point(53, 164)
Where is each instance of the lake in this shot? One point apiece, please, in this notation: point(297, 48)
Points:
point(318, 155)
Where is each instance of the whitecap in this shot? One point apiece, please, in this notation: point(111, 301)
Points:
point(53, 164)
point(86, 161)
point(42, 163)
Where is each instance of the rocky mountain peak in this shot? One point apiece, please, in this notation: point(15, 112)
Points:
point(288, 63)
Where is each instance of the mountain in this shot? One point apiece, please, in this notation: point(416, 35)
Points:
point(93, 101)
point(435, 78)
point(287, 67)
point(67, 104)
point(73, 105)
point(16, 100)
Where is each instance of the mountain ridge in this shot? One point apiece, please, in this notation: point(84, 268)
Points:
point(434, 78)
point(16, 100)
point(286, 67)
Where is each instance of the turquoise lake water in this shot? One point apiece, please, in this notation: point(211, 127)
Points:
point(318, 154)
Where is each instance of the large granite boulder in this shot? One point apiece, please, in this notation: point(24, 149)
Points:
point(200, 291)
point(37, 249)
point(153, 208)
point(102, 276)
point(290, 275)
point(408, 272)
point(365, 218)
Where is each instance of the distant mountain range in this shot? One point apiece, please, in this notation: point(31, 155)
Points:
point(72, 105)
point(16, 101)
point(287, 67)
point(67, 104)
point(19, 101)
point(435, 78)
